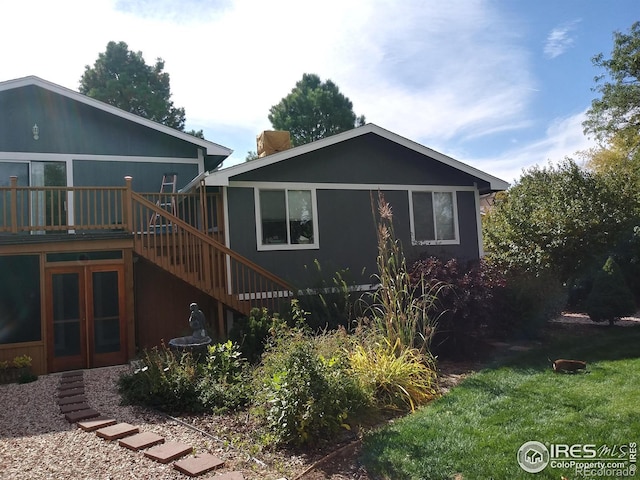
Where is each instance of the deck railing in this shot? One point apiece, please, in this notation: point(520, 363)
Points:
point(61, 209)
point(179, 232)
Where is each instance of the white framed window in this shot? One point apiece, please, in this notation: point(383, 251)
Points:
point(434, 218)
point(286, 219)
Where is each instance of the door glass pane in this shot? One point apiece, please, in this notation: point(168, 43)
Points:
point(273, 214)
point(48, 207)
point(66, 314)
point(106, 314)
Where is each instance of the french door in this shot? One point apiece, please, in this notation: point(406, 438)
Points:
point(85, 316)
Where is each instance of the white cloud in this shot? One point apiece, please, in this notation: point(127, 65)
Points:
point(563, 138)
point(440, 73)
point(560, 40)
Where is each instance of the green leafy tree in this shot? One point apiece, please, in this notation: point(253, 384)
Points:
point(556, 220)
point(617, 111)
point(610, 298)
point(121, 78)
point(314, 110)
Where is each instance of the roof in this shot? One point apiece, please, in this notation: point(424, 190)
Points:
point(210, 147)
point(221, 177)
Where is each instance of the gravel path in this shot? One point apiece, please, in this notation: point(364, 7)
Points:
point(37, 442)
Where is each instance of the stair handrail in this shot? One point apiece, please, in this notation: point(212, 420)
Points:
point(213, 243)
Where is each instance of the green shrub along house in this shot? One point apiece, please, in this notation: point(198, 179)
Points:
point(111, 224)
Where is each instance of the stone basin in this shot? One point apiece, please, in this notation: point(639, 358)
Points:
point(195, 345)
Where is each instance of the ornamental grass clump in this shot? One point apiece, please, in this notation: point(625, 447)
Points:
point(397, 377)
point(391, 356)
point(400, 307)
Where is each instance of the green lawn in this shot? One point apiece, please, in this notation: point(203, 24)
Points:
point(477, 428)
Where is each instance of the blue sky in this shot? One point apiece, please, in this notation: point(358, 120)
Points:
point(499, 84)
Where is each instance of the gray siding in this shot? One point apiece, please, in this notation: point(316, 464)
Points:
point(68, 126)
point(368, 159)
point(347, 235)
point(147, 176)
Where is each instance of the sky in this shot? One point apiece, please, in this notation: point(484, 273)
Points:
point(502, 85)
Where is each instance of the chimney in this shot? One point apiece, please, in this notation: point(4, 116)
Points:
point(273, 141)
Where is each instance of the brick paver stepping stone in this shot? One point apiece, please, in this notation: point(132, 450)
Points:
point(228, 476)
point(119, 430)
point(73, 417)
point(168, 452)
point(74, 399)
point(96, 423)
point(72, 374)
point(198, 464)
point(141, 440)
point(73, 407)
point(73, 378)
point(70, 386)
point(71, 393)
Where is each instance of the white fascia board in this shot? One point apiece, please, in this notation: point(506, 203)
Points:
point(221, 177)
point(210, 147)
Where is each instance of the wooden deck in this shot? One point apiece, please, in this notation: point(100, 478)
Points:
point(181, 233)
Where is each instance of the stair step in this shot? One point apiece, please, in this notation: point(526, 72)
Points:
point(70, 386)
point(86, 414)
point(73, 407)
point(77, 373)
point(74, 399)
point(75, 378)
point(198, 464)
point(96, 423)
point(141, 440)
point(71, 392)
point(168, 452)
point(117, 431)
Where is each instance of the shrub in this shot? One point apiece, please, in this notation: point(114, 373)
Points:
point(177, 382)
point(252, 332)
point(22, 361)
point(527, 303)
point(306, 397)
point(329, 302)
point(610, 298)
point(465, 305)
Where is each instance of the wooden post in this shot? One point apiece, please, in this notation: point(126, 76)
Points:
point(203, 208)
point(14, 203)
point(127, 220)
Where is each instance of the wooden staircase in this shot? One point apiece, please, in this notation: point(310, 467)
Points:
point(202, 261)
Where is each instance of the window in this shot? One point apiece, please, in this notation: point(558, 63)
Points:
point(433, 218)
point(286, 219)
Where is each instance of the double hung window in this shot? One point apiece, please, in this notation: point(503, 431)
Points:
point(286, 219)
point(433, 218)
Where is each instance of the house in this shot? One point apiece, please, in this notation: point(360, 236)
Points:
point(91, 270)
point(111, 224)
point(314, 202)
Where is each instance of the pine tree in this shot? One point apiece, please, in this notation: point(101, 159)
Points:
point(610, 298)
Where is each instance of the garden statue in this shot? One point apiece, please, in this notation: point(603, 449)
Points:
point(197, 322)
point(198, 341)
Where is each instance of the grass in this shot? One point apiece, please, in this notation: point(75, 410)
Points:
point(475, 431)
